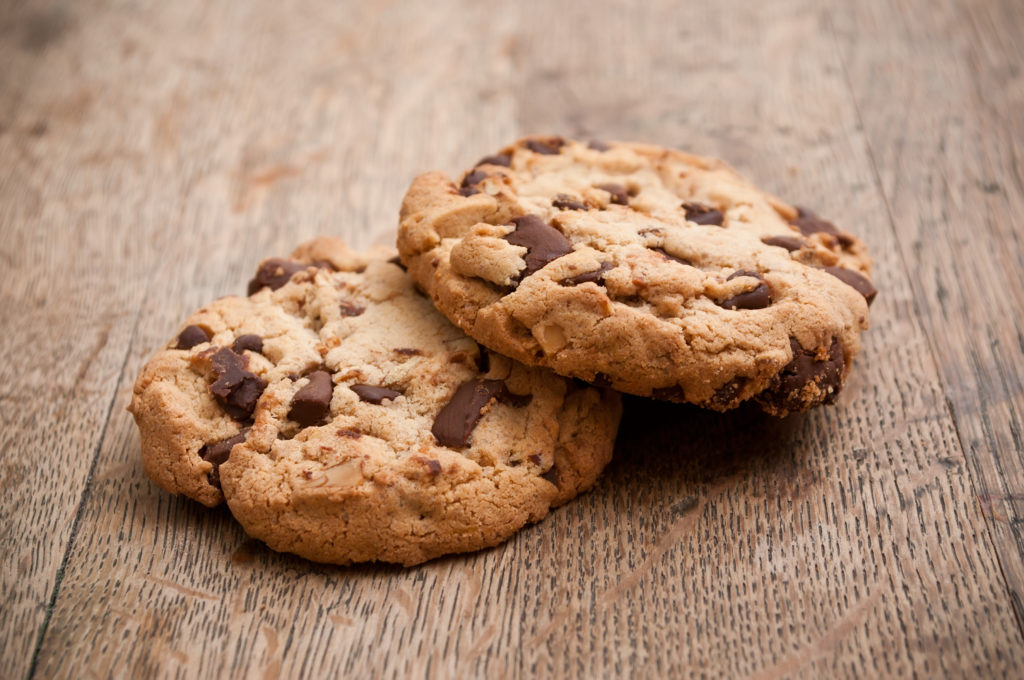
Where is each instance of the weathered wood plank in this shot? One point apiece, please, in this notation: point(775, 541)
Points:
point(940, 91)
point(844, 543)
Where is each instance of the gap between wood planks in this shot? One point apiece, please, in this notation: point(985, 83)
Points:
point(83, 499)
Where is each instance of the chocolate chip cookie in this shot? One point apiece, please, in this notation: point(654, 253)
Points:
point(648, 270)
point(344, 420)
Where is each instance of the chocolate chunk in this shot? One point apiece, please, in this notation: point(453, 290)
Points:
point(552, 475)
point(433, 466)
point(759, 298)
point(408, 351)
point(567, 202)
point(219, 452)
point(374, 394)
point(596, 276)
point(703, 214)
point(397, 261)
point(619, 195)
point(502, 159)
point(856, 280)
point(454, 424)
point(249, 341)
point(671, 393)
point(597, 145)
point(349, 434)
point(548, 147)
point(191, 336)
point(312, 403)
point(535, 458)
point(790, 243)
point(790, 389)
point(236, 389)
point(469, 182)
point(727, 393)
point(669, 256)
point(349, 309)
point(543, 242)
point(274, 273)
point(809, 223)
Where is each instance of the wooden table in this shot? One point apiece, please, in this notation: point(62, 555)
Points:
point(152, 153)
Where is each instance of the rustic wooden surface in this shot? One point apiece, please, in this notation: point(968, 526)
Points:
point(152, 153)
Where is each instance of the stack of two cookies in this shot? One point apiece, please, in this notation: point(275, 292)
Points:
point(343, 417)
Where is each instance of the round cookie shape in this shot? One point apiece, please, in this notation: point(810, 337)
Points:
point(652, 271)
point(343, 419)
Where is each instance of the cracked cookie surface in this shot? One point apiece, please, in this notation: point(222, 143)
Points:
point(344, 420)
point(652, 271)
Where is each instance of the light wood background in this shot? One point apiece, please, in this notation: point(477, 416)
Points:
point(152, 153)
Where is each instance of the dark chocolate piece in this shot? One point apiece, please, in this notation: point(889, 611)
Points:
point(274, 273)
point(191, 336)
point(455, 423)
point(596, 276)
point(249, 341)
point(374, 394)
point(312, 403)
point(567, 202)
point(703, 214)
point(502, 159)
point(855, 280)
point(237, 390)
point(790, 243)
point(758, 298)
point(543, 242)
point(619, 195)
point(548, 147)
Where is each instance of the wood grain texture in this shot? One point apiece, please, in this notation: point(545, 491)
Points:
point(161, 151)
point(954, 182)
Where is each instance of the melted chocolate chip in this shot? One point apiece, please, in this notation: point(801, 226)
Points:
point(374, 394)
point(191, 336)
point(469, 182)
point(759, 298)
point(249, 341)
point(619, 195)
point(502, 159)
point(789, 389)
point(596, 276)
point(809, 223)
point(699, 213)
point(543, 242)
point(455, 423)
point(548, 147)
point(790, 243)
point(727, 393)
point(219, 452)
point(669, 256)
point(312, 403)
point(671, 393)
point(274, 273)
point(597, 145)
point(236, 389)
point(567, 202)
point(552, 475)
point(349, 309)
point(397, 261)
point(856, 280)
